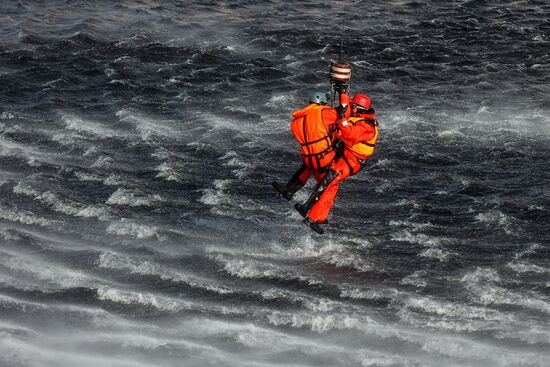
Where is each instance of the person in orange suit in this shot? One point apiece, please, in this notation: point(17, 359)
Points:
point(313, 127)
point(359, 134)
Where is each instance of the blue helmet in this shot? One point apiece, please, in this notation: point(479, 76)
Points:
point(319, 97)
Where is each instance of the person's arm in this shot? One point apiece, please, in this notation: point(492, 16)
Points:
point(344, 109)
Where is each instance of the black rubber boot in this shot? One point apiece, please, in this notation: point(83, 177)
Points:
point(301, 209)
point(313, 225)
point(294, 184)
point(282, 190)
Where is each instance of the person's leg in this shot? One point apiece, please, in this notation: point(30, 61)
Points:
point(321, 186)
point(299, 179)
point(321, 201)
point(320, 210)
point(296, 182)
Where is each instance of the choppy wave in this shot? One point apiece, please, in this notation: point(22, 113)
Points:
point(127, 227)
point(138, 226)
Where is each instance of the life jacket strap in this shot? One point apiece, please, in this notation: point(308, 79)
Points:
point(320, 154)
point(348, 164)
point(318, 140)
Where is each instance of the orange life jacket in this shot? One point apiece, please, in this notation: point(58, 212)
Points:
point(363, 148)
point(315, 141)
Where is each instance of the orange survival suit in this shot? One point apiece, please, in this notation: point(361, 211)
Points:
point(314, 128)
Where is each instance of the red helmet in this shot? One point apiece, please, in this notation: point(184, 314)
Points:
point(361, 100)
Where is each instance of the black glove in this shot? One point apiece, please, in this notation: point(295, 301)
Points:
point(340, 87)
point(338, 145)
point(341, 110)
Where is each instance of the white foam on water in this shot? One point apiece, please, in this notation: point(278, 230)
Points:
point(451, 135)
point(27, 305)
point(247, 269)
point(435, 246)
point(114, 180)
point(435, 253)
point(535, 207)
point(126, 227)
point(217, 123)
point(161, 153)
point(216, 195)
point(317, 323)
point(234, 160)
point(19, 352)
point(315, 304)
point(405, 202)
point(531, 249)
point(167, 172)
point(280, 100)
point(161, 303)
point(95, 316)
point(255, 337)
point(477, 353)
point(8, 329)
point(82, 176)
point(111, 180)
point(115, 261)
point(133, 198)
point(7, 116)
point(482, 289)
point(34, 156)
point(451, 315)
point(102, 161)
point(531, 334)
point(376, 359)
point(91, 151)
point(491, 295)
point(526, 267)
point(236, 108)
point(275, 341)
point(417, 226)
point(148, 127)
point(497, 218)
point(9, 236)
point(463, 349)
point(329, 252)
point(260, 338)
point(35, 273)
point(383, 163)
point(70, 139)
point(142, 342)
point(97, 129)
point(25, 217)
point(416, 279)
point(481, 275)
point(419, 238)
point(386, 186)
point(257, 266)
point(64, 205)
point(368, 294)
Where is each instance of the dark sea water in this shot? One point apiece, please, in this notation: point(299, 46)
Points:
point(138, 227)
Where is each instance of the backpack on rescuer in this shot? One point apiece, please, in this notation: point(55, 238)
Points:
point(315, 141)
